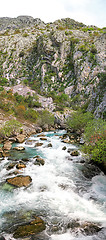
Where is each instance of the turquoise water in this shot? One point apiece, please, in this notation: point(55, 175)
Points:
point(59, 192)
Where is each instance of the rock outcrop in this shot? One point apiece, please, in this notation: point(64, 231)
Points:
point(64, 56)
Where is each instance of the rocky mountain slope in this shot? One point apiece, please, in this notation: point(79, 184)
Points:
point(64, 56)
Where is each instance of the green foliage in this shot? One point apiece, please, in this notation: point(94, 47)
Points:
point(25, 35)
point(11, 127)
point(93, 49)
point(78, 120)
point(17, 31)
point(95, 136)
point(31, 115)
point(46, 118)
point(3, 81)
point(102, 82)
point(83, 48)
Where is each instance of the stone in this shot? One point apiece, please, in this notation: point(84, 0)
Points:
point(64, 148)
point(33, 227)
point(19, 181)
point(38, 144)
point(74, 153)
point(38, 129)
point(19, 148)
point(87, 228)
point(20, 138)
point(7, 145)
point(66, 140)
point(41, 135)
point(43, 139)
point(20, 165)
point(40, 161)
point(10, 166)
point(49, 145)
point(45, 127)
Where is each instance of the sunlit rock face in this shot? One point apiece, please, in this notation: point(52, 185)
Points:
point(64, 56)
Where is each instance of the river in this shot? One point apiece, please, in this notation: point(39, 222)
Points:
point(62, 192)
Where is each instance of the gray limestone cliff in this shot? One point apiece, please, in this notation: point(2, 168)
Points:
point(64, 56)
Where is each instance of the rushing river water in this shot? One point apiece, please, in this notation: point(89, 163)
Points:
point(61, 191)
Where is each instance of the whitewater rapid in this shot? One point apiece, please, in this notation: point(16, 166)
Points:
point(59, 191)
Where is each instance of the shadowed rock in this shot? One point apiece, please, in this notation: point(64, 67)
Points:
point(33, 227)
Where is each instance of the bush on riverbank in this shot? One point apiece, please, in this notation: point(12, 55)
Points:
point(10, 128)
point(94, 134)
point(78, 120)
point(95, 137)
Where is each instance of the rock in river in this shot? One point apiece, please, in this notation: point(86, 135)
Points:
point(74, 153)
point(33, 227)
point(21, 138)
point(19, 181)
point(7, 145)
point(19, 148)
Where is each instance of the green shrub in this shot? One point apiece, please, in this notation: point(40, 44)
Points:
point(93, 49)
point(95, 137)
point(11, 127)
point(31, 115)
point(83, 48)
point(46, 118)
point(78, 120)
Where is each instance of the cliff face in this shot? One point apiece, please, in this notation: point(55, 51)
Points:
point(64, 56)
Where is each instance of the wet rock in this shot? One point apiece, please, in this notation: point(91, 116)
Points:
point(41, 135)
point(33, 227)
point(90, 170)
point(87, 228)
point(19, 181)
point(12, 139)
point(64, 148)
point(74, 153)
point(38, 129)
point(10, 166)
point(43, 139)
point(21, 138)
point(66, 140)
point(38, 144)
point(19, 148)
point(90, 228)
point(52, 129)
point(39, 161)
point(49, 145)
point(25, 159)
point(20, 165)
point(45, 127)
point(7, 145)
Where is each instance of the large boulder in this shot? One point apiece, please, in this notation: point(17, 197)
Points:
point(33, 227)
point(7, 145)
point(21, 138)
point(20, 181)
